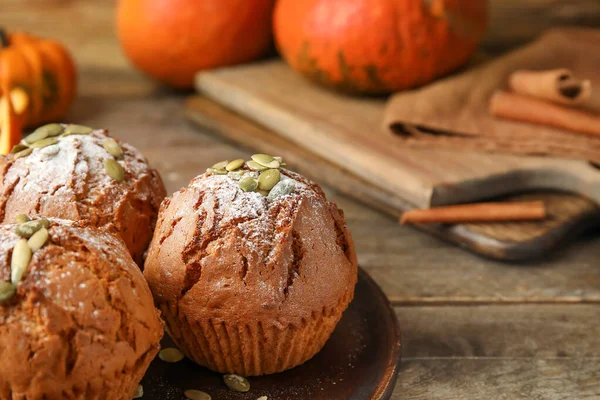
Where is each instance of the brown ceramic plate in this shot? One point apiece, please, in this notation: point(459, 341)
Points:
point(359, 362)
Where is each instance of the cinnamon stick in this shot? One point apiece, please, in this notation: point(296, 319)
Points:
point(477, 212)
point(527, 109)
point(556, 85)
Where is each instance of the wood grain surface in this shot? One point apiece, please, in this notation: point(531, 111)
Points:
point(568, 213)
point(473, 328)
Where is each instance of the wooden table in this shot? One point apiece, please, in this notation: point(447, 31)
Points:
point(472, 328)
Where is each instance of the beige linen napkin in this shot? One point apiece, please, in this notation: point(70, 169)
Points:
point(453, 112)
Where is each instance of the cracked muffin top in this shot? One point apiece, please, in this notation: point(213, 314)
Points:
point(251, 241)
point(77, 173)
point(76, 316)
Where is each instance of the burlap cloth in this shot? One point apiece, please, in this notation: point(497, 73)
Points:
point(453, 112)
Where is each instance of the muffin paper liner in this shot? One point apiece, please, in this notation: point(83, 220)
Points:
point(257, 348)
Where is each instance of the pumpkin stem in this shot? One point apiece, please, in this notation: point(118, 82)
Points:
point(3, 39)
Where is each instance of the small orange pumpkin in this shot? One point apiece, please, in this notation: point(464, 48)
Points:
point(39, 77)
point(377, 46)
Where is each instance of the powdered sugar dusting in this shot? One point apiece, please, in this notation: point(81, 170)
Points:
point(234, 203)
point(74, 158)
point(69, 180)
point(251, 214)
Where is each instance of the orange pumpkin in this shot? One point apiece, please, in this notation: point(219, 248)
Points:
point(38, 76)
point(172, 40)
point(377, 46)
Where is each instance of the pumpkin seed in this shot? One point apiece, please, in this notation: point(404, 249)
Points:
point(40, 144)
point(236, 383)
point(248, 184)
point(114, 169)
point(22, 218)
point(170, 355)
point(220, 165)
point(256, 166)
point(51, 150)
point(196, 395)
point(77, 130)
point(19, 262)
point(283, 188)
point(39, 134)
point(113, 148)
point(23, 153)
point(266, 160)
point(27, 229)
point(235, 164)
point(45, 223)
point(38, 240)
point(214, 171)
point(54, 129)
point(236, 175)
point(264, 193)
point(139, 393)
point(18, 147)
point(263, 398)
point(280, 159)
point(268, 179)
point(7, 291)
point(43, 132)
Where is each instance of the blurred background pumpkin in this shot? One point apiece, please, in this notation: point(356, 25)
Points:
point(171, 40)
point(40, 76)
point(378, 46)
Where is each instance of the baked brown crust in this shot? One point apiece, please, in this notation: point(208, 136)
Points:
point(82, 324)
point(73, 184)
point(224, 256)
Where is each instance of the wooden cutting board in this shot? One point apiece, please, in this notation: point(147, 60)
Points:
point(338, 140)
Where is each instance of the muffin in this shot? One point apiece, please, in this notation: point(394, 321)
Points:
point(76, 173)
point(77, 319)
point(251, 267)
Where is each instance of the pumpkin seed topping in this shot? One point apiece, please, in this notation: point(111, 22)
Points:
point(220, 165)
point(29, 228)
point(263, 398)
point(113, 148)
point(7, 291)
point(38, 240)
point(139, 393)
point(170, 355)
point(38, 134)
point(51, 150)
point(23, 153)
point(18, 147)
point(248, 184)
point(74, 129)
point(235, 164)
point(196, 395)
point(214, 171)
point(280, 159)
point(43, 132)
point(256, 166)
point(53, 129)
point(114, 169)
point(268, 179)
point(263, 193)
point(22, 218)
point(283, 188)
point(19, 263)
point(265, 160)
point(40, 144)
point(45, 223)
point(236, 175)
point(236, 383)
